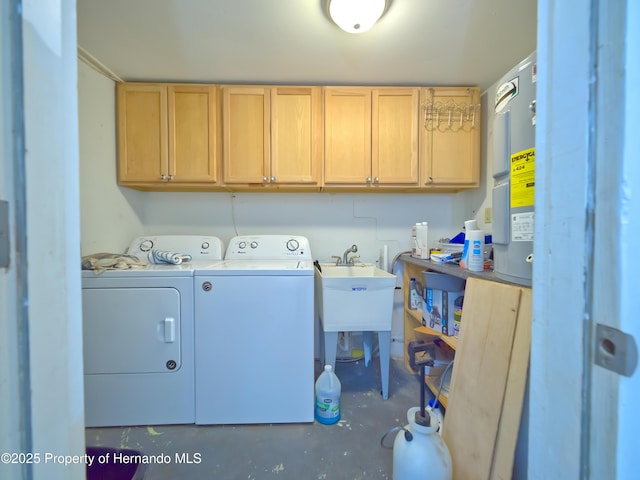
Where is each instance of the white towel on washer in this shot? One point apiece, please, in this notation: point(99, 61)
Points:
point(99, 262)
point(172, 258)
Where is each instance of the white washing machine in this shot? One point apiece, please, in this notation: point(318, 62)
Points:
point(255, 333)
point(138, 336)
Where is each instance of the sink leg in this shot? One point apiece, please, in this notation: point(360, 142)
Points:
point(384, 344)
point(330, 347)
point(367, 340)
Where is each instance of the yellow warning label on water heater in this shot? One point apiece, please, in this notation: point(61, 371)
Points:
point(523, 178)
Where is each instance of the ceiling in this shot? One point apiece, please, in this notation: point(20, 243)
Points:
point(417, 42)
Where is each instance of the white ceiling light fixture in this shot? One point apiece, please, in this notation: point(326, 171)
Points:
point(356, 16)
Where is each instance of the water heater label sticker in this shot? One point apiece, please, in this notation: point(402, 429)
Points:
point(522, 227)
point(523, 178)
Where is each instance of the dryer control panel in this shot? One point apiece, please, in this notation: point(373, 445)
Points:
point(269, 247)
point(200, 247)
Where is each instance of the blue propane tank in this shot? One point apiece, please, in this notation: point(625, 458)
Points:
point(421, 453)
point(328, 397)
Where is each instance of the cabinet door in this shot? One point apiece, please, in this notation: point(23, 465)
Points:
point(193, 133)
point(246, 136)
point(347, 141)
point(450, 137)
point(296, 134)
point(142, 133)
point(394, 153)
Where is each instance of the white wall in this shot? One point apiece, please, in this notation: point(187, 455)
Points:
point(108, 218)
point(480, 198)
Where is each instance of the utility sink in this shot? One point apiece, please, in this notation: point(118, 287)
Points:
point(354, 297)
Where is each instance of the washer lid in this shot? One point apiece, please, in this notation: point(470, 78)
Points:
point(259, 267)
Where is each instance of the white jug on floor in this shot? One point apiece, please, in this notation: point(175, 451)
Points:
point(420, 452)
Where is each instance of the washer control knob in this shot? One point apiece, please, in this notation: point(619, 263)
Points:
point(207, 286)
point(242, 245)
point(253, 244)
point(205, 245)
point(292, 245)
point(146, 245)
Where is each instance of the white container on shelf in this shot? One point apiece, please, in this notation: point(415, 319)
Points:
point(475, 255)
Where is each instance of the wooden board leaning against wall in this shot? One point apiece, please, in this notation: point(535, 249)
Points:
point(270, 138)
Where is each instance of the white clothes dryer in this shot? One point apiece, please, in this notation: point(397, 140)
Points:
point(255, 333)
point(138, 334)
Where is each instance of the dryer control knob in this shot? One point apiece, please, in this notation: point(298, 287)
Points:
point(253, 244)
point(292, 245)
point(146, 245)
point(205, 245)
point(207, 286)
point(242, 245)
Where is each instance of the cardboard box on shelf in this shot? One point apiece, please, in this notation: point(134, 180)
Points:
point(443, 302)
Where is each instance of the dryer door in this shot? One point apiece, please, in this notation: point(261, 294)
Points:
point(131, 330)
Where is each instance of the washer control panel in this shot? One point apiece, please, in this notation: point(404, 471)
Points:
point(268, 247)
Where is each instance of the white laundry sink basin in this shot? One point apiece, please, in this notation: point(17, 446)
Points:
point(354, 298)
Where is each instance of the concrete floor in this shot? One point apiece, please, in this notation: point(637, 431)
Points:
point(347, 450)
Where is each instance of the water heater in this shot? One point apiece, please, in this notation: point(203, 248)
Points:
point(514, 172)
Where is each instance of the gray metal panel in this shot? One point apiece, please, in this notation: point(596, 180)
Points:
point(500, 205)
point(501, 147)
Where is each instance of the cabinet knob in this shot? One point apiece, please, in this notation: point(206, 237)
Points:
point(162, 177)
point(376, 180)
point(273, 179)
point(265, 179)
point(171, 178)
point(430, 180)
point(368, 180)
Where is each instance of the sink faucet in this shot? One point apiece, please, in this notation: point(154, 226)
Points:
point(351, 249)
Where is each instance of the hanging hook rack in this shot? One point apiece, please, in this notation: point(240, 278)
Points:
point(449, 116)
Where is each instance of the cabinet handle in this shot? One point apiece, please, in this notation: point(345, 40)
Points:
point(376, 180)
point(265, 179)
point(273, 179)
point(368, 180)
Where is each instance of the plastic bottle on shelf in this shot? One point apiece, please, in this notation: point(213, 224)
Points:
point(328, 390)
point(413, 295)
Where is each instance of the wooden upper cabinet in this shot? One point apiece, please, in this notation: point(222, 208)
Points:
point(296, 135)
point(193, 135)
point(394, 133)
point(371, 136)
point(246, 134)
point(272, 135)
point(450, 137)
point(142, 133)
point(167, 134)
point(347, 135)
